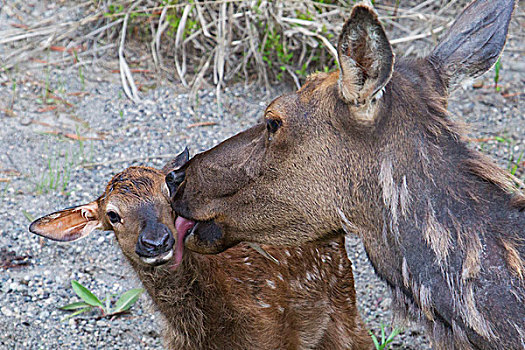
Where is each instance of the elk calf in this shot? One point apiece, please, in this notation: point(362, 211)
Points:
point(235, 300)
point(370, 149)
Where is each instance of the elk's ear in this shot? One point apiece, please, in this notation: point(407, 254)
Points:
point(474, 42)
point(68, 224)
point(365, 56)
point(178, 162)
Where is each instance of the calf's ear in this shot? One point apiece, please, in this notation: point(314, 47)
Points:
point(178, 162)
point(365, 56)
point(68, 224)
point(175, 171)
point(474, 42)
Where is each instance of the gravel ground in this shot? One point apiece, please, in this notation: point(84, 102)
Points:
point(39, 144)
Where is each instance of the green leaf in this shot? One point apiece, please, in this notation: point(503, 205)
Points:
point(374, 339)
point(76, 313)
point(28, 216)
point(127, 299)
point(74, 306)
point(516, 165)
point(392, 335)
point(85, 294)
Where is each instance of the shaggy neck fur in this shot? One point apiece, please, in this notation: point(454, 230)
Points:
point(185, 296)
point(450, 242)
point(241, 300)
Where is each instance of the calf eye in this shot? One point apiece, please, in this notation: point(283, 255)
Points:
point(113, 217)
point(272, 125)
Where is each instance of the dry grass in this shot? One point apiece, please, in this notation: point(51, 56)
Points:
point(217, 42)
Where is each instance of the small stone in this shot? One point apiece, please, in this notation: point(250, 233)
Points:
point(477, 84)
point(7, 312)
point(17, 287)
point(101, 323)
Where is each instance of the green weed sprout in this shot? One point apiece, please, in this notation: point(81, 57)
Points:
point(497, 68)
point(90, 301)
point(384, 344)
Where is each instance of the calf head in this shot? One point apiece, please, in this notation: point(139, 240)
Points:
point(135, 206)
point(319, 151)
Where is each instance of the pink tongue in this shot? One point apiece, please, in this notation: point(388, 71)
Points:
point(182, 225)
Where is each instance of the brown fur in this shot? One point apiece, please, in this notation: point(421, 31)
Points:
point(442, 225)
point(238, 299)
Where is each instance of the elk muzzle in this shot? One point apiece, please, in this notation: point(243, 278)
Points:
point(206, 238)
point(203, 237)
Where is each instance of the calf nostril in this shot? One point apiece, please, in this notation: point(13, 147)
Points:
point(155, 239)
point(165, 240)
point(147, 242)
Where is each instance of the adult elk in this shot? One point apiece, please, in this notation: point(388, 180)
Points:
point(235, 300)
point(370, 149)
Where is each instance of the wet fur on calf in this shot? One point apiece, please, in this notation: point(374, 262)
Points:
point(372, 151)
point(241, 300)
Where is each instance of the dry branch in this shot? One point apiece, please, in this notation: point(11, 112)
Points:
point(128, 84)
point(206, 41)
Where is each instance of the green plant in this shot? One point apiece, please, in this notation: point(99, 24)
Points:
point(13, 93)
point(61, 86)
point(173, 18)
point(46, 91)
point(513, 164)
point(497, 68)
point(28, 215)
point(275, 50)
point(302, 72)
point(114, 9)
point(80, 72)
point(502, 139)
point(4, 190)
point(304, 16)
point(56, 176)
point(281, 55)
point(81, 148)
point(384, 344)
point(90, 301)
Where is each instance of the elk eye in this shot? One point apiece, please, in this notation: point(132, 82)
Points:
point(272, 125)
point(113, 217)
